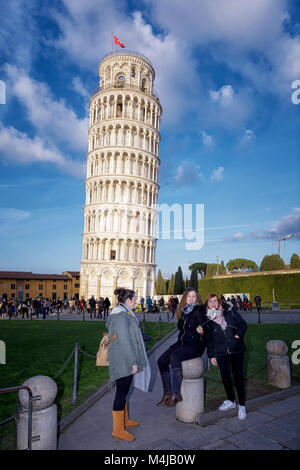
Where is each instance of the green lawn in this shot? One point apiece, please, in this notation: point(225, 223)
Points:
point(41, 348)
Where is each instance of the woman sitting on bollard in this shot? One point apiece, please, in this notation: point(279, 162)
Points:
point(127, 360)
point(226, 347)
point(190, 344)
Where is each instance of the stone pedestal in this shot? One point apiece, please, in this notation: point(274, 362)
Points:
point(279, 373)
point(192, 390)
point(275, 306)
point(44, 414)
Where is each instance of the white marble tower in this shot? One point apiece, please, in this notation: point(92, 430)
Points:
point(119, 239)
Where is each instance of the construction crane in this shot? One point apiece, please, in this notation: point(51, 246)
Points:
point(286, 237)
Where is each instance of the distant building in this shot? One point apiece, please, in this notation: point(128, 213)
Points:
point(23, 285)
point(75, 286)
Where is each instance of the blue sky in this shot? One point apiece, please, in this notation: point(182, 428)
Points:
point(230, 134)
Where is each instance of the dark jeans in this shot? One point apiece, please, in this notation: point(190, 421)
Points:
point(233, 362)
point(177, 353)
point(105, 312)
point(122, 389)
point(93, 311)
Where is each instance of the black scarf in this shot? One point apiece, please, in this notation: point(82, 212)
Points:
point(187, 309)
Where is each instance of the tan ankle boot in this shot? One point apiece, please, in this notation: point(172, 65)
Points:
point(129, 423)
point(119, 431)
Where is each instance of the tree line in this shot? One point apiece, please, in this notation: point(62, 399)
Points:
point(176, 285)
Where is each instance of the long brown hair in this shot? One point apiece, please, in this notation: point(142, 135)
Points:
point(183, 301)
point(211, 296)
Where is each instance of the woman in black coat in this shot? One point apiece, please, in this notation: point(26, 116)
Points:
point(190, 344)
point(225, 348)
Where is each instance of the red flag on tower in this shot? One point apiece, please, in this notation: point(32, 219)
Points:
point(117, 41)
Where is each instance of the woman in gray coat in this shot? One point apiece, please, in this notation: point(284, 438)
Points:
point(126, 357)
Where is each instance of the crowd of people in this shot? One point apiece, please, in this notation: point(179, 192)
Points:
point(27, 308)
point(99, 308)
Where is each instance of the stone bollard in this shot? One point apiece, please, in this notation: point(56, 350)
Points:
point(44, 414)
point(275, 306)
point(279, 373)
point(192, 390)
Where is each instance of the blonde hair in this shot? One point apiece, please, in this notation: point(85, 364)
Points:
point(183, 301)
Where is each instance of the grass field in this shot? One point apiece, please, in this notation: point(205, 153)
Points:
point(41, 348)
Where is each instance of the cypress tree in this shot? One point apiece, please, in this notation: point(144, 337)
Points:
point(160, 284)
point(194, 279)
point(179, 284)
point(171, 285)
point(222, 269)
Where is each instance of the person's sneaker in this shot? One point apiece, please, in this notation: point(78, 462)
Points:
point(227, 405)
point(242, 412)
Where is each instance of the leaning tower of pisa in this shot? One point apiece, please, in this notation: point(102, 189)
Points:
point(119, 239)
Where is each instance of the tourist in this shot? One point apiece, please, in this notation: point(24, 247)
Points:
point(82, 305)
point(127, 357)
point(190, 344)
point(155, 308)
point(100, 307)
point(142, 301)
point(174, 306)
point(225, 348)
point(161, 303)
point(24, 310)
point(149, 304)
point(257, 300)
point(59, 305)
point(106, 305)
point(92, 303)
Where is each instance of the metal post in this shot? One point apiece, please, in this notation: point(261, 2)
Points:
point(29, 419)
point(159, 320)
point(74, 396)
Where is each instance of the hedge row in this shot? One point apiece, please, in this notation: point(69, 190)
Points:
point(286, 286)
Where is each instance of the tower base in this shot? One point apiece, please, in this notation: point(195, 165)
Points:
point(101, 279)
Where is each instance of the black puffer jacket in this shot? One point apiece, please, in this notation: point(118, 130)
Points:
point(221, 342)
point(187, 328)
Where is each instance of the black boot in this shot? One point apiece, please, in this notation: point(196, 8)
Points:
point(176, 381)
point(166, 381)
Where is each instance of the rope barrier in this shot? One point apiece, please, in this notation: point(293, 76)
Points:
point(65, 364)
point(246, 378)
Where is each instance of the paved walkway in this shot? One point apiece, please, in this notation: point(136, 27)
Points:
point(283, 316)
point(273, 422)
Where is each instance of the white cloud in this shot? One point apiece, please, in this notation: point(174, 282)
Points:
point(224, 96)
point(230, 108)
point(249, 36)
point(18, 147)
point(248, 137)
point(207, 140)
point(18, 32)
point(52, 118)
point(236, 237)
point(79, 87)
point(8, 214)
point(217, 175)
point(287, 225)
point(187, 173)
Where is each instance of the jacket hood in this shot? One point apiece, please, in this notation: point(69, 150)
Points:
point(117, 309)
